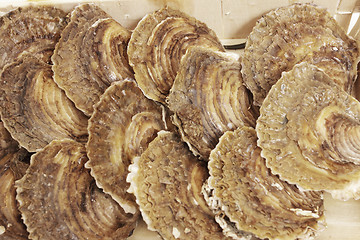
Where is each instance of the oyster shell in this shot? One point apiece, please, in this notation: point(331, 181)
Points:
point(166, 181)
point(33, 29)
point(59, 199)
point(292, 34)
point(34, 109)
point(11, 168)
point(123, 123)
point(157, 45)
point(256, 201)
point(308, 130)
point(208, 98)
point(91, 54)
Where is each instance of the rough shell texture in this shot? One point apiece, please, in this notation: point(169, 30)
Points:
point(59, 199)
point(289, 35)
point(243, 189)
point(12, 168)
point(157, 45)
point(309, 131)
point(123, 123)
point(166, 181)
point(32, 29)
point(34, 109)
point(208, 98)
point(91, 54)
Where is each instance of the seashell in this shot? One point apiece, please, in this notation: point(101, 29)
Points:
point(157, 45)
point(167, 181)
point(90, 55)
point(59, 199)
point(12, 168)
point(308, 130)
point(208, 98)
point(244, 193)
point(32, 29)
point(293, 34)
point(123, 123)
point(34, 109)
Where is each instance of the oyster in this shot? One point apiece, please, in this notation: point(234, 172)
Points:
point(91, 54)
point(34, 109)
point(292, 34)
point(11, 168)
point(59, 199)
point(242, 190)
point(32, 29)
point(157, 45)
point(123, 123)
point(166, 181)
point(308, 130)
point(208, 98)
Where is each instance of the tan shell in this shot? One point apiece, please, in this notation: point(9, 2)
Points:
point(157, 45)
point(123, 123)
point(292, 34)
point(33, 29)
point(309, 132)
point(166, 181)
point(59, 199)
point(90, 55)
point(208, 98)
point(34, 109)
point(11, 169)
point(256, 201)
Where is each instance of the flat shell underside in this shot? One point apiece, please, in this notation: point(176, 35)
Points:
point(32, 29)
point(157, 45)
point(289, 35)
point(243, 189)
point(91, 53)
point(208, 98)
point(34, 109)
point(166, 181)
point(59, 199)
point(123, 123)
point(11, 169)
point(309, 132)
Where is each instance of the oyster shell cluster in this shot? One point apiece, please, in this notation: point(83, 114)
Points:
point(101, 125)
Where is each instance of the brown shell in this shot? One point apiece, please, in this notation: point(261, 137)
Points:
point(123, 123)
point(157, 45)
point(309, 131)
point(90, 55)
point(59, 199)
point(208, 98)
point(255, 200)
point(12, 168)
point(34, 109)
point(166, 181)
point(33, 29)
point(292, 34)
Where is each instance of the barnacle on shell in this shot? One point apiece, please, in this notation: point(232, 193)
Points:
point(90, 55)
point(309, 132)
point(243, 191)
point(123, 123)
point(208, 98)
point(12, 168)
point(34, 109)
point(59, 199)
point(32, 29)
point(293, 34)
point(157, 45)
point(167, 181)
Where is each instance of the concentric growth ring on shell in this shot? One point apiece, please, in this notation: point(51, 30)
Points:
point(157, 45)
point(309, 129)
